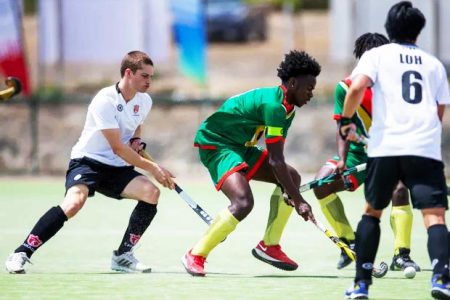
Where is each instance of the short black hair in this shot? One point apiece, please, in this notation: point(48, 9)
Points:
point(368, 41)
point(404, 22)
point(297, 63)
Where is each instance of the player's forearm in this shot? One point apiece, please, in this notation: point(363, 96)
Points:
point(132, 157)
point(352, 101)
point(283, 176)
point(342, 146)
point(355, 95)
point(281, 171)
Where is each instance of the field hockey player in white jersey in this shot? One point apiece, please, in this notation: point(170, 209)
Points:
point(410, 91)
point(103, 161)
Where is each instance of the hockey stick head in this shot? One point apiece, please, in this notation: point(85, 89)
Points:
point(14, 83)
point(14, 87)
point(380, 271)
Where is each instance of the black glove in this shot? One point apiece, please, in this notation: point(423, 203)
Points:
point(142, 145)
point(343, 132)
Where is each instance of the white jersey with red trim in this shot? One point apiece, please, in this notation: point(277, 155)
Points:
point(109, 110)
point(408, 86)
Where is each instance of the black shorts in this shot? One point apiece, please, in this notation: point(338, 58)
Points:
point(424, 177)
point(105, 179)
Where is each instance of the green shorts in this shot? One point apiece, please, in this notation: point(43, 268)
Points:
point(353, 159)
point(222, 162)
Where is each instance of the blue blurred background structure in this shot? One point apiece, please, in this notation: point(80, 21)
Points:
point(189, 32)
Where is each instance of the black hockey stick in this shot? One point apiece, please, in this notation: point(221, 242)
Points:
point(195, 207)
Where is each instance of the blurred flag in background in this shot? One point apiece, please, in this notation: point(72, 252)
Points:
point(12, 54)
point(190, 36)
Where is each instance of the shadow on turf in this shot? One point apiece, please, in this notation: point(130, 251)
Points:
point(216, 274)
point(301, 276)
point(230, 274)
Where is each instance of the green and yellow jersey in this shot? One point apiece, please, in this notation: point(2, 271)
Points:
point(363, 116)
point(363, 120)
point(244, 118)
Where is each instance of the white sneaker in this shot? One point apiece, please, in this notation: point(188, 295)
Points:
point(126, 262)
point(15, 262)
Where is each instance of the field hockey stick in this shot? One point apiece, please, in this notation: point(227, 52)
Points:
point(14, 87)
point(337, 241)
point(377, 272)
point(330, 178)
point(195, 207)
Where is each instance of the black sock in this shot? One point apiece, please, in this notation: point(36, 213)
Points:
point(140, 219)
point(367, 240)
point(449, 245)
point(47, 226)
point(438, 243)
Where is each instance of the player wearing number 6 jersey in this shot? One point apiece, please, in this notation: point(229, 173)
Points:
point(410, 91)
point(352, 154)
point(227, 147)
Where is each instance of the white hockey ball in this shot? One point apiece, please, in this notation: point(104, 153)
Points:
point(409, 272)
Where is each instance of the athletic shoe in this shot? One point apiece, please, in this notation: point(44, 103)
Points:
point(359, 290)
point(403, 260)
point(15, 262)
point(194, 264)
point(440, 289)
point(273, 255)
point(344, 259)
point(126, 262)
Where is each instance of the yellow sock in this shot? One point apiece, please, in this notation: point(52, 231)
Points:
point(334, 211)
point(219, 229)
point(278, 217)
point(401, 224)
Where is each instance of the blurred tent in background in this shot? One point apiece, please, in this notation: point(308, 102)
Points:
point(101, 31)
point(12, 54)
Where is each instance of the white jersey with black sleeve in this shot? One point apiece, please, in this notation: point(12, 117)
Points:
point(109, 110)
point(408, 86)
